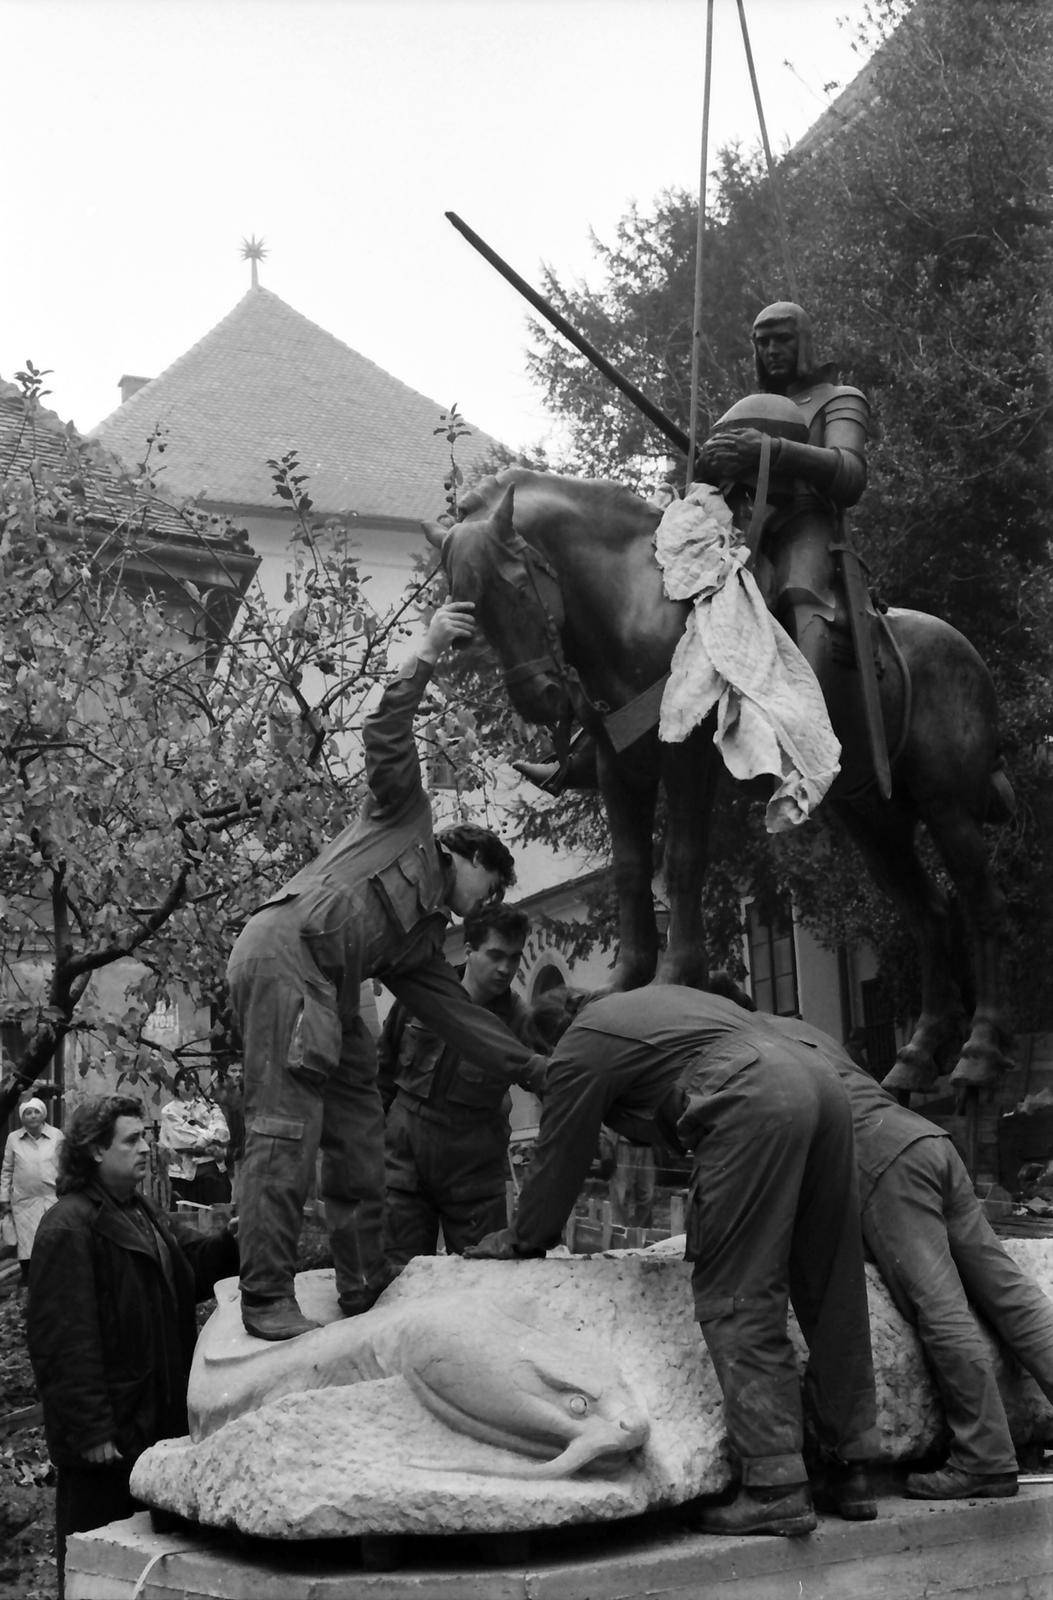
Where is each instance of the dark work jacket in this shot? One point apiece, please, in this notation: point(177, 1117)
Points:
point(384, 881)
point(110, 1337)
point(412, 1058)
point(622, 1062)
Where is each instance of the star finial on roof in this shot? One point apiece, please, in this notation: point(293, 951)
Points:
point(253, 250)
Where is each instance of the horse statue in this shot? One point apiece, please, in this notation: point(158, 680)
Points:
point(567, 590)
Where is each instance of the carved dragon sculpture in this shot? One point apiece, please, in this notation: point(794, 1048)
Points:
point(551, 1396)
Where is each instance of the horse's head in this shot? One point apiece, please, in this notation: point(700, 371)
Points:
point(518, 605)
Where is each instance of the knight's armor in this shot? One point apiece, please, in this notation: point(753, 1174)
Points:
point(818, 468)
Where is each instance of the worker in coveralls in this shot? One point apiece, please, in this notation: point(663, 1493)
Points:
point(375, 903)
point(771, 1217)
point(448, 1121)
point(942, 1263)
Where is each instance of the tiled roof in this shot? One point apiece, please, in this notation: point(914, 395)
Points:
point(93, 481)
point(266, 381)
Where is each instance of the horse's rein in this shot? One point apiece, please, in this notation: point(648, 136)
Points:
point(592, 714)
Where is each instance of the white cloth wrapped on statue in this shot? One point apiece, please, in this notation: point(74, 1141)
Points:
point(771, 716)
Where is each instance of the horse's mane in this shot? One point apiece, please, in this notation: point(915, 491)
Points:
point(601, 494)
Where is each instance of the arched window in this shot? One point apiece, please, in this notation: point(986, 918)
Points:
point(546, 978)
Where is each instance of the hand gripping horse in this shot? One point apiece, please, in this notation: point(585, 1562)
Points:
point(567, 591)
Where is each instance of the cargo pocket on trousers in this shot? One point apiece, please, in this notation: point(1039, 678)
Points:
point(314, 1049)
point(277, 1149)
point(278, 1127)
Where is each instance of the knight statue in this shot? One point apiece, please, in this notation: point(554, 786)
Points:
point(796, 452)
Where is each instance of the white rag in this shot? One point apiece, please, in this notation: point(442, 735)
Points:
point(771, 715)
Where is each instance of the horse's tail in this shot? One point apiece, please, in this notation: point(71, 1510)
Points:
point(1001, 801)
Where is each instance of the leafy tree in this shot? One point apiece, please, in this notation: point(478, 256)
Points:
point(918, 225)
point(154, 789)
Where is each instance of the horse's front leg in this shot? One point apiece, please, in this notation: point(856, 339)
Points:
point(629, 801)
point(961, 843)
point(690, 774)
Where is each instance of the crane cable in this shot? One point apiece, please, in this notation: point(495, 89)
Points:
point(780, 219)
point(784, 244)
point(700, 233)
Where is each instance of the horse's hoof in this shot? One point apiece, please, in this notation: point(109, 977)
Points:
point(978, 1072)
point(910, 1077)
point(545, 774)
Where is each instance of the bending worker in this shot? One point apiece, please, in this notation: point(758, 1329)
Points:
point(940, 1257)
point(375, 904)
point(771, 1132)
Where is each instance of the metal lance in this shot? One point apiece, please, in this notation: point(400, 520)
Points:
point(663, 423)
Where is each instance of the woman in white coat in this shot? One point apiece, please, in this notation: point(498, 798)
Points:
point(27, 1176)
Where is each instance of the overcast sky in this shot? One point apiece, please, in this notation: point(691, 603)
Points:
point(146, 138)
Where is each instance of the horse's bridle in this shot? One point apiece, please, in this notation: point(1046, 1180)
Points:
point(537, 570)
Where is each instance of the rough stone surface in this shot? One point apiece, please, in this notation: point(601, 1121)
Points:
point(356, 1451)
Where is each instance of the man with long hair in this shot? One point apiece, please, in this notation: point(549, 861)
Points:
point(110, 1321)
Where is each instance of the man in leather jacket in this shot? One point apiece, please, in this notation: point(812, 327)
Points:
point(110, 1321)
point(375, 904)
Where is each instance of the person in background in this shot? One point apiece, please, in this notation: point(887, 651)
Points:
point(447, 1129)
point(773, 1219)
point(194, 1137)
point(27, 1176)
point(110, 1321)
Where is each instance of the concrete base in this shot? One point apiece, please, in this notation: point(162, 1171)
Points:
point(980, 1549)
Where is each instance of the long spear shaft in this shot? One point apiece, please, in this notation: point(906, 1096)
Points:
point(663, 423)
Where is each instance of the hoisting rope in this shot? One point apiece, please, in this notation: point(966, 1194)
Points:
point(700, 233)
point(780, 220)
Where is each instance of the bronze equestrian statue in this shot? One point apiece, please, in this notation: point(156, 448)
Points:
point(568, 592)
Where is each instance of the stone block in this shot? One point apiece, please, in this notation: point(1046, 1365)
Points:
point(328, 1436)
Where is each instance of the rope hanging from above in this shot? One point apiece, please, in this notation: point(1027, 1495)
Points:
point(780, 220)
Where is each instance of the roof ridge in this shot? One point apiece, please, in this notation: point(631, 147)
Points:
point(133, 402)
point(136, 400)
point(265, 379)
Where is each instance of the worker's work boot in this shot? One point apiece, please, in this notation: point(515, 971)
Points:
point(785, 1510)
point(848, 1492)
point(951, 1483)
point(276, 1319)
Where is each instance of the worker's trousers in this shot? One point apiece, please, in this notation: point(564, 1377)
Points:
point(310, 1084)
point(773, 1218)
point(447, 1168)
point(942, 1263)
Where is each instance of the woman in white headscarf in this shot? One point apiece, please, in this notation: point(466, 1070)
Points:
point(27, 1176)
